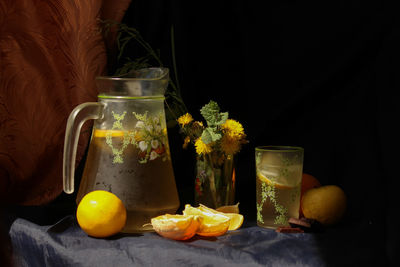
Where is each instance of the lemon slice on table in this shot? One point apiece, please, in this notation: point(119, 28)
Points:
point(213, 224)
point(177, 226)
point(236, 219)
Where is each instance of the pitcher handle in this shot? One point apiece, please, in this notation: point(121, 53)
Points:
point(80, 114)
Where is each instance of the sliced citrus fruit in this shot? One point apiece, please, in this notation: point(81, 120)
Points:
point(104, 133)
point(236, 219)
point(177, 226)
point(278, 183)
point(101, 214)
point(229, 208)
point(213, 224)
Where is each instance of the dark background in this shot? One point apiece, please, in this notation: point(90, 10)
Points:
point(320, 75)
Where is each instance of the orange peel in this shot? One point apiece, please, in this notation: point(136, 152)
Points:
point(177, 226)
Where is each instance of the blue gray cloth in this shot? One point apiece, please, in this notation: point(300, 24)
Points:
point(65, 244)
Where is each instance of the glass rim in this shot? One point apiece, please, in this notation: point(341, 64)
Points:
point(103, 96)
point(277, 148)
point(127, 78)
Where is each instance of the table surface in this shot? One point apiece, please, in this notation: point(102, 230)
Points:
point(65, 244)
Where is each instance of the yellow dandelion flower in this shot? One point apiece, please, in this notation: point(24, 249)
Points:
point(201, 147)
point(185, 119)
point(233, 129)
point(230, 145)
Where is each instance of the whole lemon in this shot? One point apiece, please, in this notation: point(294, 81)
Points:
point(101, 214)
point(326, 204)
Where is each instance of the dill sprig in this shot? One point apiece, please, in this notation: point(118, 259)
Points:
point(125, 35)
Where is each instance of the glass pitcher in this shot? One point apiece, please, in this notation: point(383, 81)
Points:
point(128, 152)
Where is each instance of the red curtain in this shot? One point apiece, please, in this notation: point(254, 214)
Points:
point(50, 53)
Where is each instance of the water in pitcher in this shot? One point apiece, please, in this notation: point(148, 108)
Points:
point(128, 152)
point(131, 171)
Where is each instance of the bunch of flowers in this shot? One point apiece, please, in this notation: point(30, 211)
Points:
point(220, 137)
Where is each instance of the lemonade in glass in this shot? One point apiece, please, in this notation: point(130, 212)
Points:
point(279, 172)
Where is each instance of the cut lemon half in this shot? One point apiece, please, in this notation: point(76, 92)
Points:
point(104, 133)
point(236, 219)
point(213, 224)
point(177, 226)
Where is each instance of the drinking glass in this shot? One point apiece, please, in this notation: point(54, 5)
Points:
point(279, 171)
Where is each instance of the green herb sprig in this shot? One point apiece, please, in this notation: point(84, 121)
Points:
point(125, 35)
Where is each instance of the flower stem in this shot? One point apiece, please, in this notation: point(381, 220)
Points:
point(228, 173)
point(212, 182)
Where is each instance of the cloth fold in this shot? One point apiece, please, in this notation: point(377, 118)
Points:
point(65, 244)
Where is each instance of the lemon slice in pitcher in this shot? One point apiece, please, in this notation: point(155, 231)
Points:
point(104, 133)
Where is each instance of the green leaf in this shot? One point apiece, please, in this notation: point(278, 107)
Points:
point(222, 118)
point(210, 112)
point(212, 115)
point(210, 135)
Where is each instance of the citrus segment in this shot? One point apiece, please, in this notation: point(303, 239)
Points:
point(177, 227)
point(101, 214)
point(229, 208)
point(213, 224)
point(236, 220)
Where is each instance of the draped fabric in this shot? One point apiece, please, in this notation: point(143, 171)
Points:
point(65, 244)
point(50, 53)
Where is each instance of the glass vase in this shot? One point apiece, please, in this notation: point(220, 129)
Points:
point(215, 180)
